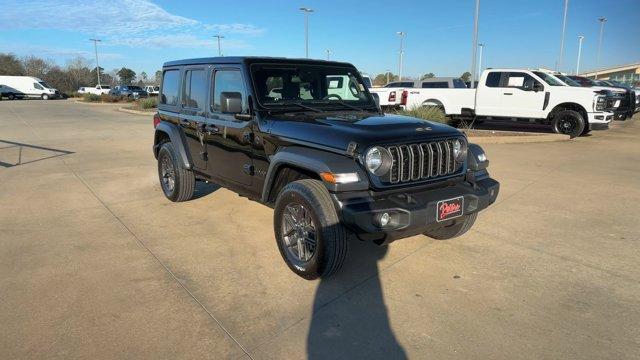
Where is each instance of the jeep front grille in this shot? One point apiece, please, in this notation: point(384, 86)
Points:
point(422, 161)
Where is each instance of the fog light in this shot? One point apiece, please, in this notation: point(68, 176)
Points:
point(385, 218)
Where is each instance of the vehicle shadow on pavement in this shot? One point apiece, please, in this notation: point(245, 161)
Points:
point(350, 319)
point(14, 153)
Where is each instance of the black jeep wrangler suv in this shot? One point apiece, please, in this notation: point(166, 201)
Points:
point(308, 139)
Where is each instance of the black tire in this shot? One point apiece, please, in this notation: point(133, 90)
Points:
point(569, 122)
point(44, 97)
point(11, 97)
point(183, 179)
point(330, 236)
point(458, 228)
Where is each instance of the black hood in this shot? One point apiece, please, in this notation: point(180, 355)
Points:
point(337, 130)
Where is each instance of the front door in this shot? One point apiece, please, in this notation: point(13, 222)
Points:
point(229, 136)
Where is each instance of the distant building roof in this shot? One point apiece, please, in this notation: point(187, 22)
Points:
point(612, 69)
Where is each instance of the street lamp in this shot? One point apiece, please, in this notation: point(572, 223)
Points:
point(564, 25)
point(329, 52)
point(481, 46)
point(95, 46)
point(401, 34)
point(475, 44)
point(580, 38)
point(602, 21)
point(219, 48)
point(388, 73)
point(306, 29)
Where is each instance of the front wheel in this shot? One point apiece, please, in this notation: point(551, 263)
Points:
point(44, 97)
point(310, 237)
point(569, 122)
point(458, 228)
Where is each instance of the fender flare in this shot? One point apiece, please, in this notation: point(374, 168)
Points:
point(177, 139)
point(316, 161)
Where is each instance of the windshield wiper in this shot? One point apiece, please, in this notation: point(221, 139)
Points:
point(341, 102)
point(299, 104)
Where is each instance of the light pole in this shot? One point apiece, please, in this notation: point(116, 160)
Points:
point(481, 46)
point(329, 54)
point(219, 48)
point(95, 46)
point(580, 38)
point(475, 44)
point(306, 29)
point(602, 21)
point(401, 34)
point(564, 25)
point(388, 73)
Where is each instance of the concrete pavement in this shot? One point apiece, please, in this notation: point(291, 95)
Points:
point(96, 263)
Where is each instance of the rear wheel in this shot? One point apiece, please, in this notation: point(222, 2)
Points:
point(569, 122)
point(458, 228)
point(311, 239)
point(11, 97)
point(178, 184)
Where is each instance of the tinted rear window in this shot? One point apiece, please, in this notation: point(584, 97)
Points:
point(435, 85)
point(459, 84)
point(195, 89)
point(170, 86)
point(493, 79)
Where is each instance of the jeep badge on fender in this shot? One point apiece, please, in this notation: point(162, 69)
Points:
point(306, 138)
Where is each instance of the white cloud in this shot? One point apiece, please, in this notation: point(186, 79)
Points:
point(179, 41)
point(48, 51)
point(124, 22)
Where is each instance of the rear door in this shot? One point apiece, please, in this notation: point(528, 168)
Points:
point(193, 108)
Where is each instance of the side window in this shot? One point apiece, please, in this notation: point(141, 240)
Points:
point(38, 86)
point(334, 82)
point(459, 84)
point(493, 79)
point(520, 80)
point(227, 81)
point(435, 85)
point(195, 89)
point(170, 86)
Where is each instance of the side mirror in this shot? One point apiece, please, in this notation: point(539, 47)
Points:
point(376, 99)
point(231, 102)
point(538, 87)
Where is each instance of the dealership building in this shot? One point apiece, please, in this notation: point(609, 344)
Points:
point(628, 74)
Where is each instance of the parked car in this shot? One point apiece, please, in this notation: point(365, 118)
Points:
point(329, 166)
point(628, 104)
point(517, 94)
point(96, 90)
point(152, 90)
point(131, 91)
point(19, 87)
point(390, 96)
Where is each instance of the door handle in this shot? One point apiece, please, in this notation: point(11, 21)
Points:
point(507, 93)
point(211, 129)
point(184, 123)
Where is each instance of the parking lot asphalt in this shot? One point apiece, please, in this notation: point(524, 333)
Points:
point(96, 263)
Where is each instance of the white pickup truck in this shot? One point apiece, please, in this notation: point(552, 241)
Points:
point(515, 94)
point(97, 90)
point(391, 94)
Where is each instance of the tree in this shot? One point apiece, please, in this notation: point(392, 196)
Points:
point(35, 66)
point(381, 79)
point(465, 76)
point(78, 69)
point(427, 76)
point(126, 75)
point(10, 65)
point(144, 76)
point(158, 78)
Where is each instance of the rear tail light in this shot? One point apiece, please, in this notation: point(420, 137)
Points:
point(156, 120)
point(403, 99)
point(392, 97)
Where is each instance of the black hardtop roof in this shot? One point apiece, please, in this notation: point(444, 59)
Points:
point(249, 60)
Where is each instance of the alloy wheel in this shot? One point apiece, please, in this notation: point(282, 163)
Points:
point(299, 232)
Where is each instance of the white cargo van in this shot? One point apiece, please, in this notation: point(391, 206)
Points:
point(18, 87)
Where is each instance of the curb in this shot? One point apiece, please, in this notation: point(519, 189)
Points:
point(135, 112)
point(518, 139)
point(95, 103)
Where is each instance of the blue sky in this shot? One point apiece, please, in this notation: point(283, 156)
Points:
point(143, 34)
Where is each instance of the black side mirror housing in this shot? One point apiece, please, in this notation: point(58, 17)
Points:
point(538, 87)
point(231, 102)
point(376, 99)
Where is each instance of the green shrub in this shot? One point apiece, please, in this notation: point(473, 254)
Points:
point(91, 98)
point(148, 103)
point(431, 113)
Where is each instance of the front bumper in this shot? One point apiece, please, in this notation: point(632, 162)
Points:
point(600, 117)
point(415, 210)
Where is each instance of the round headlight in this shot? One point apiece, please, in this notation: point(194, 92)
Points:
point(378, 160)
point(459, 150)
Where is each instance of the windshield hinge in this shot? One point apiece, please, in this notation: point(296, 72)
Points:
point(351, 149)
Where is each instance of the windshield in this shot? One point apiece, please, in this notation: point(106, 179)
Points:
point(105, 86)
point(135, 88)
point(549, 79)
point(567, 80)
point(307, 85)
point(45, 85)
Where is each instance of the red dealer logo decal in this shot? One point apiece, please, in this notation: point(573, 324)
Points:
point(449, 209)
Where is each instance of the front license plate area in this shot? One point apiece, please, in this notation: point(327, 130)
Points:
point(450, 208)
